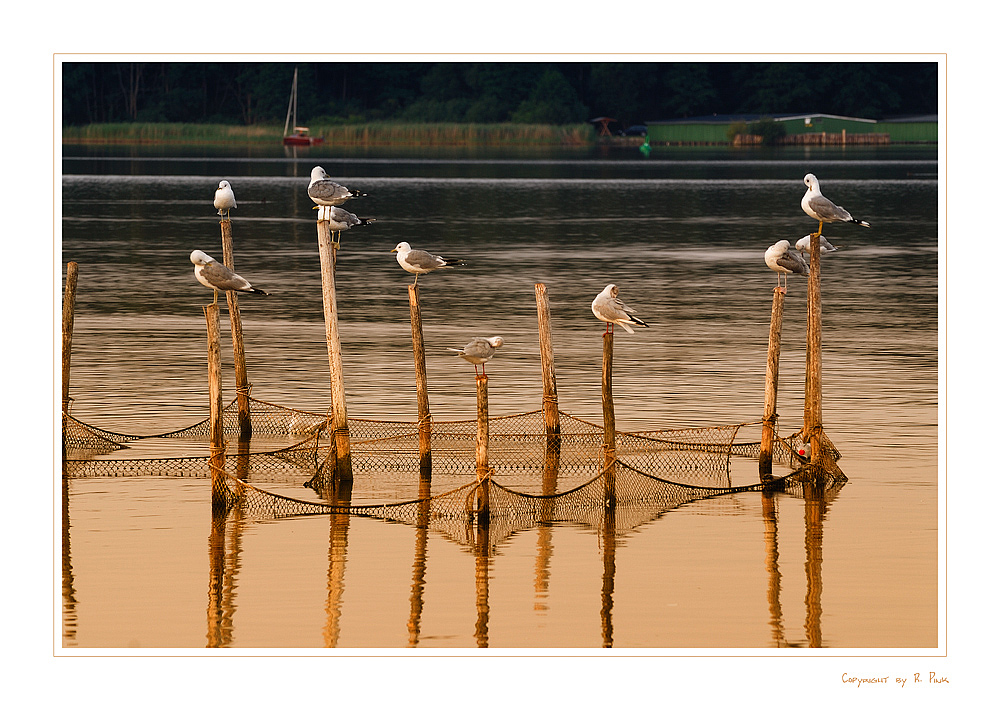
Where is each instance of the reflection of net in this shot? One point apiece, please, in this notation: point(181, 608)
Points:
point(637, 498)
point(532, 480)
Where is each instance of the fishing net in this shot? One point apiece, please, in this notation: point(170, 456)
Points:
point(532, 478)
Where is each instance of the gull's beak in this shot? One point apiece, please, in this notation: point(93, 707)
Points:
point(394, 249)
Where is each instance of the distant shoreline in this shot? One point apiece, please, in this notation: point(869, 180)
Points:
point(368, 134)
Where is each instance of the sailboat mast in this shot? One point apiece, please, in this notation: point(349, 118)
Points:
point(293, 101)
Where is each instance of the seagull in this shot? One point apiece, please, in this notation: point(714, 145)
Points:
point(219, 277)
point(818, 207)
point(327, 193)
point(479, 351)
point(780, 258)
point(417, 261)
point(225, 200)
point(824, 246)
point(340, 219)
point(609, 308)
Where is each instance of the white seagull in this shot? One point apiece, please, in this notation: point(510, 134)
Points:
point(225, 200)
point(479, 351)
point(818, 207)
point(609, 308)
point(779, 257)
point(219, 277)
point(340, 219)
point(327, 193)
point(417, 261)
point(824, 246)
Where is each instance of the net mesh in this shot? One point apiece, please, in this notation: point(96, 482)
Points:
point(532, 478)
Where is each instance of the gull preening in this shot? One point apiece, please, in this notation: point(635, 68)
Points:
point(610, 309)
point(340, 219)
point(418, 261)
point(479, 351)
point(326, 192)
point(819, 207)
point(225, 200)
point(781, 258)
point(824, 246)
point(219, 277)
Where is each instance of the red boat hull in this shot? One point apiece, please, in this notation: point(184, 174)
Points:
point(301, 140)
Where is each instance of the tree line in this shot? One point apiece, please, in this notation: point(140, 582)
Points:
point(251, 93)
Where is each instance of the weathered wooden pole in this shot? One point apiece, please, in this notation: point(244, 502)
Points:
point(236, 326)
point(812, 420)
point(341, 432)
point(214, 376)
point(68, 315)
point(217, 449)
point(770, 422)
point(607, 401)
point(550, 400)
point(482, 446)
point(420, 366)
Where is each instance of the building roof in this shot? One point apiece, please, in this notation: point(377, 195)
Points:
point(728, 118)
point(923, 118)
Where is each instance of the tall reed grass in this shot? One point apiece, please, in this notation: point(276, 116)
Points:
point(371, 134)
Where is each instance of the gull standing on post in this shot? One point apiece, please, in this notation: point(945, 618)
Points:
point(479, 351)
point(219, 277)
point(610, 309)
point(225, 200)
point(326, 192)
point(417, 261)
point(780, 258)
point(818, 207)
point(824, 246)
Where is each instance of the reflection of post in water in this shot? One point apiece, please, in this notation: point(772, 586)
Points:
point(339, 523)
point(815, 513)
point(68, 592)
point(550, 473)
point(482, 584)
point(419, 562)
point(420, 367)
point(769, 512)
point(608, 580)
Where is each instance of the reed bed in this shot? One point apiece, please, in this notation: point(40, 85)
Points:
point(364, 134)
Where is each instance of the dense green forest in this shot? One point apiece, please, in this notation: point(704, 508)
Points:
point(254, 93)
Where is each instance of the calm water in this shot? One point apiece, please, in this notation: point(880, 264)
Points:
point(682, 234)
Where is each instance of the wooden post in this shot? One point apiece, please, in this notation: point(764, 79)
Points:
point(812, 420)
point(420, 366)
point(771, 387)
point(341, 432)
point(214, 376)
point(236, 326)
point(607, 401)
point(482, 445)
point(68, 315)
point(550, 400)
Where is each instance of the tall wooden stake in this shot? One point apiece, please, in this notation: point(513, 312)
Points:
point(68, 316)
point(550, 400)
point(771, 387)
point(812, 420)
point(214, 376)
point(607, 400)
point(482, 445)
point(420, 365)
point(236, 325)
point(341, 432)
